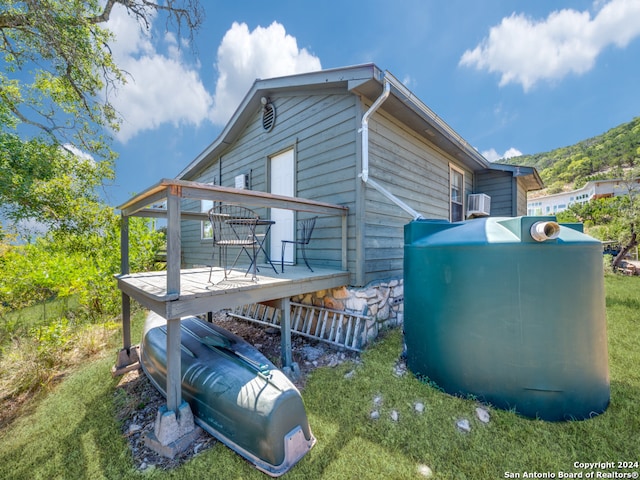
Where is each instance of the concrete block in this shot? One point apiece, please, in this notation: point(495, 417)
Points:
point(128, 360)
point(171, 425)
point(174, 448)
point(292, 372)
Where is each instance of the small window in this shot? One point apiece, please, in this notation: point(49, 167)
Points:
point(456, 183)
point(206, 231)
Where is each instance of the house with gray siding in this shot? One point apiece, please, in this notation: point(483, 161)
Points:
point(352, 145)
point(304, 136)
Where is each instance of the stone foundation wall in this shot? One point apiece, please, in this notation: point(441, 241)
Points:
point(381, 301)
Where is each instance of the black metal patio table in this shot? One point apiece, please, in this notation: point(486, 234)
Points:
point(261, 241)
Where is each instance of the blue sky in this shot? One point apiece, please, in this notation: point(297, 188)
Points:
point(511, 77)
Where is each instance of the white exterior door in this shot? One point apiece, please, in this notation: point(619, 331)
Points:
point(282, 182)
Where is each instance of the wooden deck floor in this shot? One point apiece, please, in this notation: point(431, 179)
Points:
point(197, 295)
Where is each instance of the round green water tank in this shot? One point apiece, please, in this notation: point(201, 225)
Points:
point(509, 310)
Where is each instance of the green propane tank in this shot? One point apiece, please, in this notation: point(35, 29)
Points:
point(509, 310)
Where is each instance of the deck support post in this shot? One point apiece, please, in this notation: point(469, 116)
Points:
point(174, 365)
point(126, 322)
point(128, 358)
point(174, 429)
point(289, 367)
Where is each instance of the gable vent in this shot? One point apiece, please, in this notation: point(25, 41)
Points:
point(268, 117)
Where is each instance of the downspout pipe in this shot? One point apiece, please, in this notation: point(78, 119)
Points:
point(364, 175)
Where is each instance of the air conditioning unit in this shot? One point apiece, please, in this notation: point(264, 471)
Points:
point(242, 181)
point(478, 205)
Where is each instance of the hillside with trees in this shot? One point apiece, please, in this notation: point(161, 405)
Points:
point(614, 154)
point(592, 159)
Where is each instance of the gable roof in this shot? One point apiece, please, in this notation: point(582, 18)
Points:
point(366, 80)
point(529, 175)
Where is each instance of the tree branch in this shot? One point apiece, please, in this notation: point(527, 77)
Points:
point(8, 20)
point(106, 13)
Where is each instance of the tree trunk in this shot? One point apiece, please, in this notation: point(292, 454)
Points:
point(626, 249)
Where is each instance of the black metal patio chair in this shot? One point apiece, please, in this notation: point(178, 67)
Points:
point(234, 226)
point(305, 229)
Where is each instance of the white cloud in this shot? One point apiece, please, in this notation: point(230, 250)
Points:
point(527, 51)
point(512, 152)
point(244, 56)
point(161, 88)
point(81, 154)
point(492, 155)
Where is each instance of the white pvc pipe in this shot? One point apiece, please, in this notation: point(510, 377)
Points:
point(365, 129)
point(365, 153)
point(542, 231)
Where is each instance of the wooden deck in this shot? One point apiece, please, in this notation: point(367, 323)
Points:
point(176, 292)
point(198, 296)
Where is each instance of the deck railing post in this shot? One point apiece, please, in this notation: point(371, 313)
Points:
point(173, 240)
point(124, 270)
point(124, 245)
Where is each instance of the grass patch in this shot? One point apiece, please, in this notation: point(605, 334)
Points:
point(19, 322)
point(74, 432)
point(31, 365)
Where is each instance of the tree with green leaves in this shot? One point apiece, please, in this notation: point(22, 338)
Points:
point(614, 218)
point(629, 214)
point(56, 80)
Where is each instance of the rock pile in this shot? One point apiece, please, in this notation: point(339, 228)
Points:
point(382, 302)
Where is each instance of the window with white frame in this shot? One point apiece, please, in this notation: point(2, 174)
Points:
point(206, 231)
point(456, 196)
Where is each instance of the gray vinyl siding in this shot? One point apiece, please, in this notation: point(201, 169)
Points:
point(415, 172)
point(521, 198)
point(499, 186)
point(322, 130)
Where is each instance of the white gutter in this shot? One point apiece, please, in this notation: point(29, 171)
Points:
point(365, 153)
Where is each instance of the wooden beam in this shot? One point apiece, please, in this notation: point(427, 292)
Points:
point(174, 365)
point(139, 203)
point(256, 293)
point(285, 333)
point(257, 199)
point(173, 242)
point(162, 213)
point(124, 245)
point(344, 243)
point(126, 321)
point(155, 304)
point(142, 197)
point(124, 269)
point(203, 191)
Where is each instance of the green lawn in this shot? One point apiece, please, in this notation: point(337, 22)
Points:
point(73, 433)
